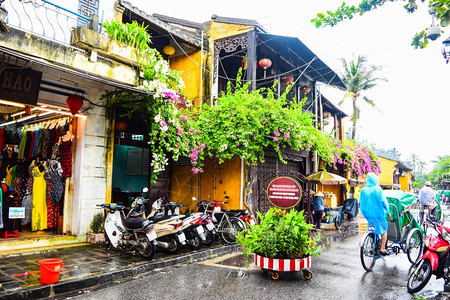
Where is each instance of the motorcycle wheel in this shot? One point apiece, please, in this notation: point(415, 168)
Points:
point(231, 229)
point(196, 242)
point(146, 248)
point(414, 245)
point(337, 223)
point(174, 244)
point(420, 276)
point(367, 253)
point(209, 237)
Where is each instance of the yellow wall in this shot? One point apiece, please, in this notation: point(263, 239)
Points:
point(217, 181)
point(387, 168)
point(190, 67)
point(404, 181)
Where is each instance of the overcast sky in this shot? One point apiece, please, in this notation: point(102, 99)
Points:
point(414, 105)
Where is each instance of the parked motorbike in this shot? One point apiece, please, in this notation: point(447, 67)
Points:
point(168, 228)
point(192, 223)
point(435, 260)
point(129, 233)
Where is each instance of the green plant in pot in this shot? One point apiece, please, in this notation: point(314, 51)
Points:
point(97, 223)
point(280, 234)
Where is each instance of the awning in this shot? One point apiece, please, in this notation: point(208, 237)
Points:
point(294, 49)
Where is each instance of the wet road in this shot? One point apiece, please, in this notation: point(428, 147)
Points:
point(337, 274)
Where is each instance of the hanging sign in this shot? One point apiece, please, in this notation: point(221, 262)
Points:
point(16, 213)
point(20, 85)
point(284, 192)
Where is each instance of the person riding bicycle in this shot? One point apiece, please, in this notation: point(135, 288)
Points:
point(374, 207)
point(426, 198)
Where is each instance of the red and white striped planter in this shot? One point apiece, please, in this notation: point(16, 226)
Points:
point(278, 264)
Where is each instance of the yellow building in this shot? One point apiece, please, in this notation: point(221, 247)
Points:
point(209, 55)
point(395, 174)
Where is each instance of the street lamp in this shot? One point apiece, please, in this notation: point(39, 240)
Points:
point(446, 49)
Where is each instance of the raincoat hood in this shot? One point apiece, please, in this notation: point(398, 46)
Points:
point(371, 180)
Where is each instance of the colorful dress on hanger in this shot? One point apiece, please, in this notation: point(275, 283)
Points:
point(8, 177)
point(2, 138)
point(66, 158)
point(55, 190)
point(39, 212)
point(23, 142)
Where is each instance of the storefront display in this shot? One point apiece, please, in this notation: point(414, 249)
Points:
point(34, 168)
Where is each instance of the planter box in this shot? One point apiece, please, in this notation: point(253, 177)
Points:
point(278, 264)
point(96, 238)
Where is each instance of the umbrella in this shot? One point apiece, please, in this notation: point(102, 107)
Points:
point(326, 178)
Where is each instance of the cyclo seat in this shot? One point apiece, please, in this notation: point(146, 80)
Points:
point(135, 223)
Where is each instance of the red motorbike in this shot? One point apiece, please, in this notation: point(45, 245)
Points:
point(435, 260)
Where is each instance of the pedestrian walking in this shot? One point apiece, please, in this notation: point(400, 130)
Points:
point(318, 204)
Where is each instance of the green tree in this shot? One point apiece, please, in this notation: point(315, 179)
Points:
point(441, 167)
point(358, 77)
point(438, 8)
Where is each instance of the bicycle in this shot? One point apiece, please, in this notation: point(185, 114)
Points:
point(227, 226)
point(404, 235)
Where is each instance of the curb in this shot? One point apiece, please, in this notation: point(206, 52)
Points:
point(108, 277)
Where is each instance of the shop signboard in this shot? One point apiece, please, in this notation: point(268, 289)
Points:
point(16, 213)
point(284, 192)
point(20, 85)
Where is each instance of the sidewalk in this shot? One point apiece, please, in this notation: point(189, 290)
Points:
point(86, 267)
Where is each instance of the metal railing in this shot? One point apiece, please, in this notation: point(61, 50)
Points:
point(45, 18)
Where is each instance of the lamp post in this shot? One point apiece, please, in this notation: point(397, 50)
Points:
point(446, 49)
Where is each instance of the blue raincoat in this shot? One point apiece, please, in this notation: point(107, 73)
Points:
point(374, 206)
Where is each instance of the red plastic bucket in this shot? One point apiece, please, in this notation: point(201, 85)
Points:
point(50, 269)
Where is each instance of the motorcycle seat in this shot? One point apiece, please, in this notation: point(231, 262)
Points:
point(160, 218)
point(135, 223)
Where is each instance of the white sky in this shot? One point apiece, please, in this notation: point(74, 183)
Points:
point(414, 103)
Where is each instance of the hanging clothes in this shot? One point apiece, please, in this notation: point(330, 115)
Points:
point(27, 202)
point(23, 142)
point(8, 178)
point(39, 212)
point(66, 158)
point(36, 134)
point(2, 138)
point(40, 142)
point(1, 208)
point(54, 177)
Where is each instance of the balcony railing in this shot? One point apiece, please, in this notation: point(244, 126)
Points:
point(45, 18)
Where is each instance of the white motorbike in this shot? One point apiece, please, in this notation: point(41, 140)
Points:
point(170, 235)
point(128, 233)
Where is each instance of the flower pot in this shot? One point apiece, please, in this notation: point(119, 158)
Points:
point(279, 264)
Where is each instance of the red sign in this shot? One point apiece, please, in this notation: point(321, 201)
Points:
point(284, 192)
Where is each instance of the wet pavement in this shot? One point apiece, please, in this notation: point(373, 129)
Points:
point(90, 268)
point(87, 267)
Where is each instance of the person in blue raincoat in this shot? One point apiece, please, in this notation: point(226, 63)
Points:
point(375, 208)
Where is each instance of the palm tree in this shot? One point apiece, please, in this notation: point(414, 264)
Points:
point(358, 77)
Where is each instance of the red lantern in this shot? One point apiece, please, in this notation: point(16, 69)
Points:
point(305, 89)
point(287, 79)
point(74, 102)
point(265, 63)
point(28, 110)
point(120, 125)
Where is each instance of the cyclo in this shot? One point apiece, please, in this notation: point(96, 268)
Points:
point(404, 232)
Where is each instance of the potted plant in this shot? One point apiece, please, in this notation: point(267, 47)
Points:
point(97, 236)
point(281, 242)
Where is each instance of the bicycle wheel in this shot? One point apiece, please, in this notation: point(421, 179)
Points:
point(420, 276)
point(367, 253)
point(414, 245)
point(230, 229)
